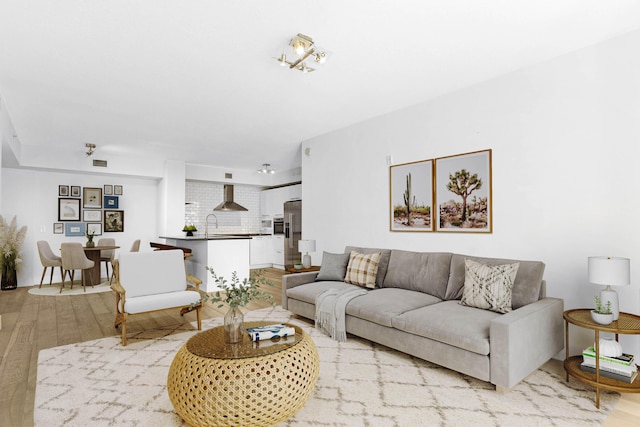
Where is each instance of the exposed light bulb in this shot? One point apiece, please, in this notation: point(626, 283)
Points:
point(298, 48)
point(321, 57)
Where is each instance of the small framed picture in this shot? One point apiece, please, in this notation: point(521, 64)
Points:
point(92, 198)
point(75, 191)
point(74, 229)
point(96, 228)
point(58, 228)
point(111, 202)
point(117, 190)
point(108, 190)
point(92, 215)
point(63, 190)
point(113, 221)
point(68, 209)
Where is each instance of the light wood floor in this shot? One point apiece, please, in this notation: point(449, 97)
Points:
point(32, 323)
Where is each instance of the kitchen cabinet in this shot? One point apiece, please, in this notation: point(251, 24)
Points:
point(272, 201)
point(260, 251)
point(277, 251)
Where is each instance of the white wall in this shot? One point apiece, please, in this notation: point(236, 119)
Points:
point(565, 137)
point(33, 197)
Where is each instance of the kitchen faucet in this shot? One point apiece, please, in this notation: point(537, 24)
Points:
point(206, 224)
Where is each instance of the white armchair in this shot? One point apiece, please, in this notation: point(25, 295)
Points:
point(152, 281)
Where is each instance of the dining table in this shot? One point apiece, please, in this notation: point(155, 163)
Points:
point(92, 277)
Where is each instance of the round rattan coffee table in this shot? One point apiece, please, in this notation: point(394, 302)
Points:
point(211, 383)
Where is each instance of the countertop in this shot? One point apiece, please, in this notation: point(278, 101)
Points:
point(214, 237)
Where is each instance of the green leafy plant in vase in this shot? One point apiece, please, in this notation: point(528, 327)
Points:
point(90, 242)
point(602, 313)
point(11, 240)
point(237, 294)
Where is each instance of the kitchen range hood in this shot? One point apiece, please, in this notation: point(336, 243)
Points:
point(227, 203)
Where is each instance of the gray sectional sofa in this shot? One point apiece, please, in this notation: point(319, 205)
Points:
point(415, 308)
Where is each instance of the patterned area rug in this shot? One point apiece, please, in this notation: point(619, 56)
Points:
point(101, 383)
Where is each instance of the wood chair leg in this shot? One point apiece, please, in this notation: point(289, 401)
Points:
point(43, 273)
point(64, 274)
point(51, 277)
point(198, 317)
point(124, 329)
point(73, 273)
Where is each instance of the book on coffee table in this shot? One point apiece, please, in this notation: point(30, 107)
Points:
point(616, 376)
point(270, 331)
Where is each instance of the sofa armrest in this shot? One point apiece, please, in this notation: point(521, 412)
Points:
point(197, 282)
point(524, 339)
point(296, 279)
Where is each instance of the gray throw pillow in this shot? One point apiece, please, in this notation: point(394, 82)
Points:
point(334, 267)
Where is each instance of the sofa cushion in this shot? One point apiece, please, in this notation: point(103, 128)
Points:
point(526, 286)
point(488, 286)
point(382, 305)
point(149, 273)
point(382, 265)
point(419, 271)
point(309, 291)
point(450, 323)
point(334, 267)
point(362, 269)
point(147, 303)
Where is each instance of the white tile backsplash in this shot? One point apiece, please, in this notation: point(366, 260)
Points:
point(204, 196)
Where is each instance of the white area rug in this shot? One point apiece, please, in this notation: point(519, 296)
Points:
point(101, 383)
point(54, 290)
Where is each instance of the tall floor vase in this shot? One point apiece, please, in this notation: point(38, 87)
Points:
point(9, 279)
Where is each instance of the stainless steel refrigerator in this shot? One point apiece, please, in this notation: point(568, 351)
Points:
point(292, 231)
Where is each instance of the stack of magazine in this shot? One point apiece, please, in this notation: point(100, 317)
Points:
point(270, 331)
point(621, 368)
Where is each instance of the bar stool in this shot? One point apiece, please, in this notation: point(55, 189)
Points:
point(73, 258)
point(48, 259)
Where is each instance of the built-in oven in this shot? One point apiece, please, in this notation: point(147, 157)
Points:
point(266, 225)
point(278, 225)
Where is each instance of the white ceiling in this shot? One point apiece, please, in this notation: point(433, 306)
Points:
point(196, 80)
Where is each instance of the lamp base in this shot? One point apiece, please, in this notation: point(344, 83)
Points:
point(609, 295)
point(306, 261)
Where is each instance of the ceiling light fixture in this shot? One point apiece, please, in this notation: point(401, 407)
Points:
point(302, 47)
point(266, 168)
point(90, 149)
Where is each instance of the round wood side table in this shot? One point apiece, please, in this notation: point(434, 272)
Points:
point(211, 383)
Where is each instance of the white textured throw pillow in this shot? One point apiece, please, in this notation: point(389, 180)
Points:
point(362, 269)
point(488, 286)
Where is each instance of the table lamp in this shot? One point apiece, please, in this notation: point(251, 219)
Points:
point(306, 246)
point(610, 271)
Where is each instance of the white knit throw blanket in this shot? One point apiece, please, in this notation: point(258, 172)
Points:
point(330, 315)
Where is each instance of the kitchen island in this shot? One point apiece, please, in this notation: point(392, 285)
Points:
point(224, 253)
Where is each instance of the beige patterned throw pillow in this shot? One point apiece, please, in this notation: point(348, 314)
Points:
point(362, 269)
point(488, 286)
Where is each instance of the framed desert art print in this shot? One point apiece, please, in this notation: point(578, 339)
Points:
point(411, 198)
point(463, 193)
point(113, 220)
point(68, 209)
point(92, 198)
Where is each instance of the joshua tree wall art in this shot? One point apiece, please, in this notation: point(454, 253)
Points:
point(463, 192)
point(411, 196)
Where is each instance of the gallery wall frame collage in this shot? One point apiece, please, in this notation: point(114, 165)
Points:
point(84, 210)
point(447, 194)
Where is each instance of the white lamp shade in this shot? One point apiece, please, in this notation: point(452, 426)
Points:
point(612, 271)
point(306, 245)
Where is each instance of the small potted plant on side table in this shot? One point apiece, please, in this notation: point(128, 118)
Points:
point(602, 313)
point(237, 294)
